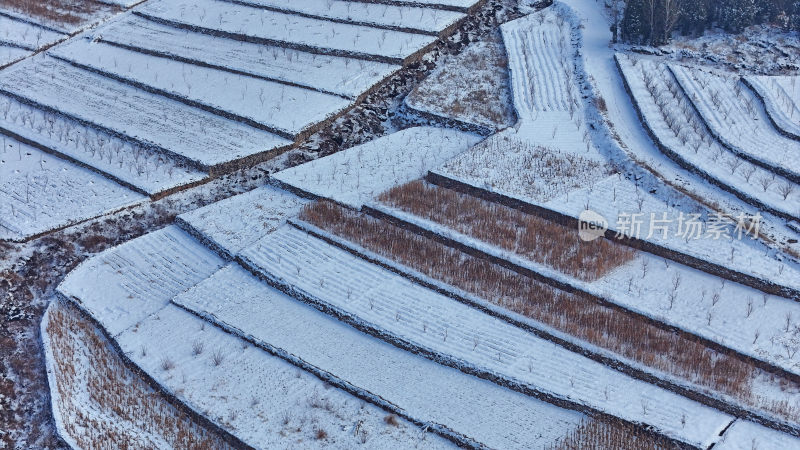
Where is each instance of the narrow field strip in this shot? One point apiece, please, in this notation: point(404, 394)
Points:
point(25, 35)
point(781, 98)
point(681, 134)
point(480, 410)
point(41, 192)
point(10, 54)
point(300, 33)
point(737, 119)
point(381, 300)
point(258, 212)
point(196, 136)
point(132, 165)
point(411, 19)
point(448, 5)
point(357, 175)
point(125, 284)
point(329, 74)
point(273, 107)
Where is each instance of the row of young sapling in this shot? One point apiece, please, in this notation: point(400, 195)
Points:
point(101, 146)
point(24, 35)
point(690, 131)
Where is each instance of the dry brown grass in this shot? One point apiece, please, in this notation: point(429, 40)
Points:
point(596, 434)
point(472, 86)
point(121, 410)
point(70, 12)
point(577, 315)
point(532, 237)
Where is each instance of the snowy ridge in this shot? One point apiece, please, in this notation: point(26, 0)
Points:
point(386, 301)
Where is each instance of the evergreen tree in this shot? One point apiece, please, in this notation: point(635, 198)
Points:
point(735, 15)
point(695, 16)
point(633, 27)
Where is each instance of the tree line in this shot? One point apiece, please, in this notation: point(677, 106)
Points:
point(654, 21)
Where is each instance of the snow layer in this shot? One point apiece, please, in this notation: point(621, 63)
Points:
point(40, 192)
point(737, 118)
point(343, 76)
point(10, 54)
point(356, 175)
point(781, 96)
point(423, 317)
point(744, 435)
point(124, 161)
point(189, 132)
point(286, 109)
point(367, 42)
point(379, 15)
point(261, 399)
point(494, 416)
point(241, 220)
point(730, 314)
point(124, 284)
point(688, 138)
point(25, 35)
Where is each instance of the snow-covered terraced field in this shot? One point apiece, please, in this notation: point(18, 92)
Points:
point(257, 213)
point(743, 435)
point(616, 198)
point(737, 118)
point(40, 192)
point(540, 56)
point(126, 162)
point(261, 399)
point(455, 5)
point(25, 35)
point(386, 301)
point(669, 115)
point(781, 96)
point(10, 54)
point(337, 75)
point(509, 162)
point(125, 284)
point(480, 410)
point(735, 316)
point(195, 135)
point(415, 19)
point(276, 107)
point(293, 31)
point(356, 175)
